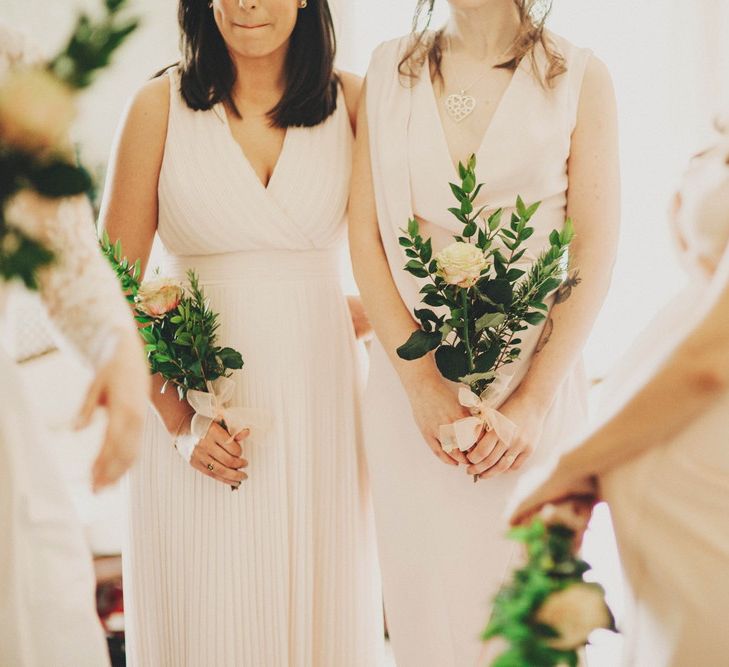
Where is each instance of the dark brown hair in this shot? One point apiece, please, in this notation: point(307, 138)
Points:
point(530, 35)
point(208, 72)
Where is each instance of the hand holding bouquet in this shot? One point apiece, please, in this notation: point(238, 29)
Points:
point(179, 331)
point(478, 300)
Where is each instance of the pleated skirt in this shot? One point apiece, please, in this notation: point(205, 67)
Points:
point(282, 572)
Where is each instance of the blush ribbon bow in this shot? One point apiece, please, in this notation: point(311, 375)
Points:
point(464, 433)
point(213, 405)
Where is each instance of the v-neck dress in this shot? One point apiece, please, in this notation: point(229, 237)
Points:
point(441, 538)
point(281, 573)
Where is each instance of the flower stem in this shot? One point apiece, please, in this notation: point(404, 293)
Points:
point(466, 339)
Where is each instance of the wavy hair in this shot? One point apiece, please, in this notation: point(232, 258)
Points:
point(532, 17)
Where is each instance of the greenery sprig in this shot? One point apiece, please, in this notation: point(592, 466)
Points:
point(50, 170)
point(181, 344)
point(551, 567)
point(476, 330)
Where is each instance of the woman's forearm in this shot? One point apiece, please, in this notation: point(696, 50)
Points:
point(692, 377)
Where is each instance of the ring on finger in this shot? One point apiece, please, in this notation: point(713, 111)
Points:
point(509, 459)
point(211, 467)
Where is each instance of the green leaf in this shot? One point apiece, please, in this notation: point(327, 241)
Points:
point(532, 209)
point(459, 194)
point(498, 291)
point(60, 179)
point(419, 344)
point(405, 241)
point(426, 252)
point(416, 268)
point(457, 212)
point(490, 320)
point(466, 207)
point(413, 227)
point(485, 361)
point(520, 207)
point(435, 300)
point(469, 183)
point(452, 362)
point(534, 318)
point(495, 219)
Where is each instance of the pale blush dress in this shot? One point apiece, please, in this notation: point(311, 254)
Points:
point(670, 506)
point(441, 539)
point(281, 573)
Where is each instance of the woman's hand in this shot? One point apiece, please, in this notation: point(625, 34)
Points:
point(492, 456)
point(434, 405)
point(220, 456)
point(122, 387)
point(360, 321)
point(550, 484)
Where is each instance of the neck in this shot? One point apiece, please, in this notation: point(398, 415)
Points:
point(483, 33)
point(259, 82)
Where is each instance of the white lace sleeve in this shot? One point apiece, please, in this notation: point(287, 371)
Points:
point(80, 291)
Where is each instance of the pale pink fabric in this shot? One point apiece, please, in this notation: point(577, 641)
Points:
point(441, 538)
point(281, 573)
point(670, 506)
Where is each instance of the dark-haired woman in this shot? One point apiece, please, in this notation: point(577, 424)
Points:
point(239, 159)
point(539, 114)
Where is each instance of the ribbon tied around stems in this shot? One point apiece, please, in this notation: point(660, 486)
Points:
point(213, 405)
point(464, 433)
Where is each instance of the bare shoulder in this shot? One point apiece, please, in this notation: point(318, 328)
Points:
point(352, 89)
point(150, 105)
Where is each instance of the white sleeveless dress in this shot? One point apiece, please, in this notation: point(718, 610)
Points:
point(281, 573)
point(441, 539)
point(670, 505)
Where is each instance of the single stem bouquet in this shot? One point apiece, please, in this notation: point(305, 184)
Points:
point(478, 295)
point(179, 331)
point(37, 107)
point(547, 611)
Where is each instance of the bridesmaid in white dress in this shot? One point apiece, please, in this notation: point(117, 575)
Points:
point(543, 126)
point(660, 454)
point(240, 160)
point(47, 603)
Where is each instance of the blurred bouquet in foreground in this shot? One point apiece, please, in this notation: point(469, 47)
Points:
point(179, 331)
point(484, 293)
point(37, 107)
point(547, 611)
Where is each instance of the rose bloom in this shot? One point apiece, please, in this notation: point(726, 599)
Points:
point(574, 613)
point(460, 264)
point(159, 296)
point(36, 110)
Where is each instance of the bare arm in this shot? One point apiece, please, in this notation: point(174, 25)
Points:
point(693, 376)
point(129, 208)
point(593, 203)
point(390, 318)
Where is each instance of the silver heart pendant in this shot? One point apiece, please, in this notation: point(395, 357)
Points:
point(459, 106)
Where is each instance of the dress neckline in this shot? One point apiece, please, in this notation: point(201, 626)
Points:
point(498, 111)
point(266, 187)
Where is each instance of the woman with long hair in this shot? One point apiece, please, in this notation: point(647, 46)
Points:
point(239, 159)
point(539, 114)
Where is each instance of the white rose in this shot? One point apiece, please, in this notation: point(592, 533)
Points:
point(460, 264)
point(36, 109)
point(574, 613)
point(159, 296)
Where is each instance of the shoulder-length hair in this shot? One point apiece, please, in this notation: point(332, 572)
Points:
point(532, 16)
point(207, 72)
